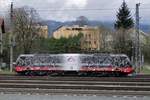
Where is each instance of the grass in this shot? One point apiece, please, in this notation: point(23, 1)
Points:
point(146, 69)
point(7, 72)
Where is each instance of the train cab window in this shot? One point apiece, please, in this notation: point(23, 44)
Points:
point(24, 61)
point(121, 61)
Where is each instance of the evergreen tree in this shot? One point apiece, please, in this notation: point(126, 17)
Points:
point(122, 39)
point(124, 19)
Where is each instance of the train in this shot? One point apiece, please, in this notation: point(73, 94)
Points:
point(78, 64)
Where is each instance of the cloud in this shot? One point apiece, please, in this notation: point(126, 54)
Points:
point(45, 7)
point(4, 4)
point(76, 3)
point(62, 15)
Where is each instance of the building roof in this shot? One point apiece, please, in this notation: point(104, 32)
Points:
point(143, 33)
point(2, 26)
point(1, 21)
point(76, 27)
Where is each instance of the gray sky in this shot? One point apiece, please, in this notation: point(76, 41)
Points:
point(54, 9)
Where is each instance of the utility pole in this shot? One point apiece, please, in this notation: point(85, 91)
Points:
point(11, 39)
point(137, 44)
point(1, 46)
point(12, 44)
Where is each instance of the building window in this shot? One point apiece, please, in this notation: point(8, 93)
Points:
point(89, 35)
point(95, 42)
point(89, 42)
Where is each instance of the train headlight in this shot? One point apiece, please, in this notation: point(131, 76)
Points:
point(126, 70)
point(18, 69)
point(37, 68)
point(113, 69)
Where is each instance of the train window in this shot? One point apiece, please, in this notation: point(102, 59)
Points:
point(99, 61)
point(121, 61)
point(24, 61)
point(47, 60)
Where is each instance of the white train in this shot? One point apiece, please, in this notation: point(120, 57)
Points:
point(80, 64)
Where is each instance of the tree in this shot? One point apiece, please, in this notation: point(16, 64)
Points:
point(25, 28)
point(146, 50)
point(124, 19)
point(6, 47)
point(67, 45)
point(122, 37)
point(62, 45)
point(40, 45)
point(123, 42)
point(74, 43)
point(106, 35)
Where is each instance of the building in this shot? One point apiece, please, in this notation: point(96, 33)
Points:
point(2, 28)
point(43, 31)
point(142, 35)
point(92, 37)
point(129, 35)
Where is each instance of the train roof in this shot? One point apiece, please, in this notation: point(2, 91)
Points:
point(96, 54)
point(123, 55)
point(26, 55)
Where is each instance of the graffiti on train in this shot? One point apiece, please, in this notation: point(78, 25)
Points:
point(91, 60)
point(115, 61)
point(38, 61)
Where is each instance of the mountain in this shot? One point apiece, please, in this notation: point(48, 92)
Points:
point(145, 28)
point(54, 25)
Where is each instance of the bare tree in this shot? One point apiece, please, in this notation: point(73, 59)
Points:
point(26, 27)
point(145, 49)
point(107, 38)
point(123, 42)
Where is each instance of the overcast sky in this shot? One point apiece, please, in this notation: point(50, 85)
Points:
point(54, 9)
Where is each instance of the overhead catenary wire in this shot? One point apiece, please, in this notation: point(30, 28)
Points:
point(82, 9)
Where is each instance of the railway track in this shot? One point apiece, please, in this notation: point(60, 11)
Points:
point(72, 78)
point(139, 85)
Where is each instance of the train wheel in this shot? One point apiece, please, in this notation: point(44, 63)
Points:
point(100, 74)
point(41, 73)
point(81, 74)
point(28, 73)
point(116, 74)
point(20, 73)
point(123, 75)
point(50, 74)
point(47, 73)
